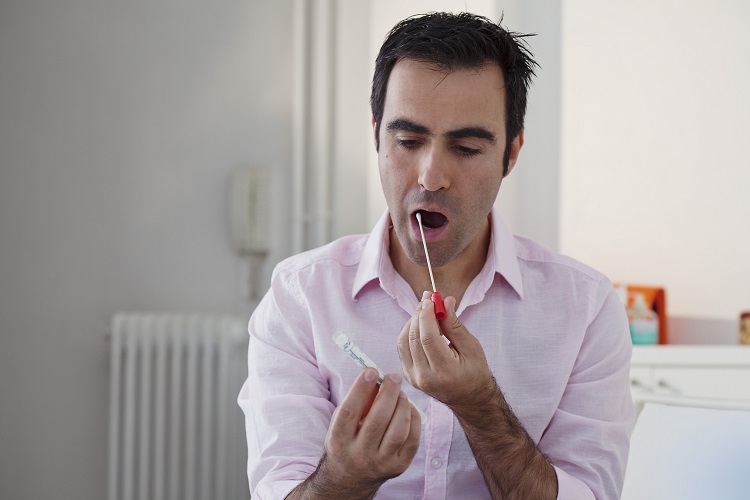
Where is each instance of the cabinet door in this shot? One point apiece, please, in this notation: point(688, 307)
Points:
point(732, 383)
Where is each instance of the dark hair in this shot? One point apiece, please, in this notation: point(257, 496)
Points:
point(458, 41)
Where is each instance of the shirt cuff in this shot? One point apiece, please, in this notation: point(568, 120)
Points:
point(571, 488)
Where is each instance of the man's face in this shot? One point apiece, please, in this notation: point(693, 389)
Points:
point(442, 140)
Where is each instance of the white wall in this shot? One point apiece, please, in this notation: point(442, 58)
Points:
point(119, 124)
point(352, 131)
point(529, 196)
point(656, 116)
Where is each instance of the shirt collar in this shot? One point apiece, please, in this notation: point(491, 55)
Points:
point(503, 251)
point(376, 264)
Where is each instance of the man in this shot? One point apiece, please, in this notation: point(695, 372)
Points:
point(525, 382)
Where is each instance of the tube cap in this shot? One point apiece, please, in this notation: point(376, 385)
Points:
point(437, 299)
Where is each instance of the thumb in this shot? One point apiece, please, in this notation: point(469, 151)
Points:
point(452, 327)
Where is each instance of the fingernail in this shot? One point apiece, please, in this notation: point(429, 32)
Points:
point(395, 377)
point(370, 375)
point(425, 295)
point(402, 394)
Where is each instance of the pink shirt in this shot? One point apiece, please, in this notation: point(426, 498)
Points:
point(555, 335)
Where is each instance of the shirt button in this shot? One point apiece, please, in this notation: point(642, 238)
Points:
point(436, 463)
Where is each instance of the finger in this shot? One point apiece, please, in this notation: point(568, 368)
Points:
point(433, 344)
point(346, 418)
point(454, 330)
point(398, 428)
point(415, 337)
point(368, 403)
point(404, 353)
point(410, 446)
point(376, 422)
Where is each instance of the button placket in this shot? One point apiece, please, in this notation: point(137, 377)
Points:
point(438, 436)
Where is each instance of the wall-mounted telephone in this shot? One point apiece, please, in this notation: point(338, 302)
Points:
point(249, 210)
point(249, 223)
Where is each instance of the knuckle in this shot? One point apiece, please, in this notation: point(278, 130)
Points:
point(409, 450)
point(413, 334)
point(344, 413)
point(424, 382)
point(415, 344)
point(433, 381)
point(427, 341)
point(372, 428)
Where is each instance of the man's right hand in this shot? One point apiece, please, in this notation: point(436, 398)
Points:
point(373, 436)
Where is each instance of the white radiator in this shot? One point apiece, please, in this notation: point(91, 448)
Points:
point(176, 431)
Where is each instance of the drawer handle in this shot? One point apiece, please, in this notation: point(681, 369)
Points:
point(640, 386)
point(663, 384)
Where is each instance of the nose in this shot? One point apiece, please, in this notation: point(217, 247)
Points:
point(433, 172)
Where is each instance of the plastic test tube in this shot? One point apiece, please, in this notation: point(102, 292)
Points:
point(364, 361)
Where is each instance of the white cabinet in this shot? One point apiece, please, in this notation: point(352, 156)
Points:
point(709, 371)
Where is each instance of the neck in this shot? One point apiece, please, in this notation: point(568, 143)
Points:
point(453, 278)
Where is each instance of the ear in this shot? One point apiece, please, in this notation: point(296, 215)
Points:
point(515, 150)
point(374, 132)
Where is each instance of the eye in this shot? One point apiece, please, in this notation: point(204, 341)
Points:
point(408, 143)
point(466, 151)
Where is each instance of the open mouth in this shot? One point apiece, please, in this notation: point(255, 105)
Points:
point(432, 220)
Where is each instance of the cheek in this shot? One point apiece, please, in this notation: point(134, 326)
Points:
point(391, 183)
point(483, 192)
point(392, 176)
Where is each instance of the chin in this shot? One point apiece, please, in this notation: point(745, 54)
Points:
point(413, 250)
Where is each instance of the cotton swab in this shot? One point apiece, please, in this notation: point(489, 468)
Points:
point(437, 299)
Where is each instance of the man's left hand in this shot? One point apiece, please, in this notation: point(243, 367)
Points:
point(454, 373)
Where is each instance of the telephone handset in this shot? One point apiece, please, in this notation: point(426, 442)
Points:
point(249, 210)
point(249, 215)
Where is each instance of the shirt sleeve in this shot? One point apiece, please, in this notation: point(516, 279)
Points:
point(285, 399)
point(569, 487)
point(587, 439)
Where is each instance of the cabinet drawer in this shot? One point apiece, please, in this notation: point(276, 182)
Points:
point(730, 383)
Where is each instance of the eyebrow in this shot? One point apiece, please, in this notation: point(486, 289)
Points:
point(477, 132)
point(409, 126)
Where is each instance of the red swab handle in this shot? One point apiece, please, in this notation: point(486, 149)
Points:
point(437, 299)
